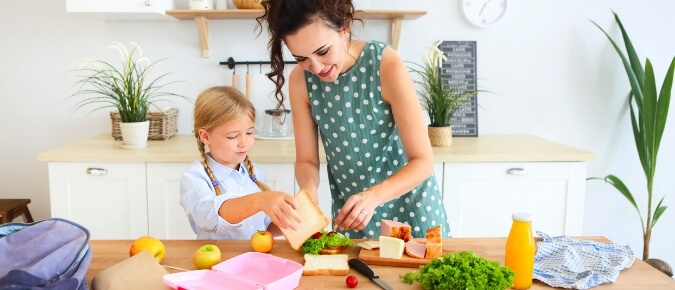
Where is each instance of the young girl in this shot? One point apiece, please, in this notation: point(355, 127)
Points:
point(358, 96)
point(221, 194)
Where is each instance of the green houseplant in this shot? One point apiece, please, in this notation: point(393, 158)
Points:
point(129, 89)
point(648, 112)
point(439, 99)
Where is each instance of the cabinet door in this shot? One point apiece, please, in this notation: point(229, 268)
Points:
point(117, 6)
point(109, 199)
point(280, 176)
point(480, 197)
point(438, 171)
point(166, 218)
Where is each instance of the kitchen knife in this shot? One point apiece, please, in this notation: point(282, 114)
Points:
point(365, 270)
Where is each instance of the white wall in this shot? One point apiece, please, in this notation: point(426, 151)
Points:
point(553, 74)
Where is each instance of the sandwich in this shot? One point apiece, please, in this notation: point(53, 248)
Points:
point(326, 243)
point(313, 220)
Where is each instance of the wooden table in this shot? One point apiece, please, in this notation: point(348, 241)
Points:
point(179, 254)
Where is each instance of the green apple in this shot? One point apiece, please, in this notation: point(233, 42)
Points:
point(207, 256)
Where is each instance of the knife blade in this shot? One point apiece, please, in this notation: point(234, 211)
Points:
point(365, 270)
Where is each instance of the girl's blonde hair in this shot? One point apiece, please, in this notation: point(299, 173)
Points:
point(216, 106)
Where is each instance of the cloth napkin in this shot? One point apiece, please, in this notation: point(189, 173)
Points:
point(579, 264)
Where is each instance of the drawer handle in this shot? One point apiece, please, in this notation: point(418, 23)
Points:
point(516, 171)
point(97, 171)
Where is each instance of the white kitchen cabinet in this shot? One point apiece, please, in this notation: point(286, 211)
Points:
point(123, 9)
point(280, 176)
point(109, 199)
point(138, 194)
point(166, 218)
point(480, 197)
point(438, 171)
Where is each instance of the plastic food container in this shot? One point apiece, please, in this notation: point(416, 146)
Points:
point(247, 271)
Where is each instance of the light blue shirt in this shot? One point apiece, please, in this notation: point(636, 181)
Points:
point(198, 199)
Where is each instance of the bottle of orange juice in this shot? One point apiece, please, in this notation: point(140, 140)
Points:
point(519, 254)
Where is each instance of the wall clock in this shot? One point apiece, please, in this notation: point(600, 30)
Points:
point(483, 13)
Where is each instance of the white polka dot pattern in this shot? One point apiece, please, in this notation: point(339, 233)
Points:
point(360, 137)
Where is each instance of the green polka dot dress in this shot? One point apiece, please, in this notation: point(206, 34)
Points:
point(363, 146)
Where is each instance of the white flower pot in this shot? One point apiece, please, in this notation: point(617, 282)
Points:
point(135, 135)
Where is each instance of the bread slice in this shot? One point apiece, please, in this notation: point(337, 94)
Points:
point(326, 265)
point(434, 243)
point(313, 221)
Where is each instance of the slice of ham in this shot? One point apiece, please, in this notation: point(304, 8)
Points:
point(394, 229)
point(415, 249)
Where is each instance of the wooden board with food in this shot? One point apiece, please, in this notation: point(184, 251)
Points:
point(372, 257)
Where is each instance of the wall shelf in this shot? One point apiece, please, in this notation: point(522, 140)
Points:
point(202, 18)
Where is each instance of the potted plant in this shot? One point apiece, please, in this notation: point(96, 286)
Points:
point(439, 99)
point(649, 111)
point(129, 89)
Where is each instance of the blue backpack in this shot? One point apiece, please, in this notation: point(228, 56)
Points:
point(47, 254)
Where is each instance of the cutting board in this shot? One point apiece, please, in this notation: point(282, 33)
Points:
point(372, 257)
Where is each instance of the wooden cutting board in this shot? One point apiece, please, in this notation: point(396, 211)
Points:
point(372, 257)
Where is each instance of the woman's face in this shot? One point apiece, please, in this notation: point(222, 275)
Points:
point(319, 49)
point(229, 143)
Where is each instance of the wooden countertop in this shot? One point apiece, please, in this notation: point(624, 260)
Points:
point(183, 148)
point(179, 253)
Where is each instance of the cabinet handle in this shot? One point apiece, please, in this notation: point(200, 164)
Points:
point(97, 171)
point(516, 171)
point(148, 3)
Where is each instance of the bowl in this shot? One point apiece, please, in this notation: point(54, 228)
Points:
point(248, 271)
point(247, 4)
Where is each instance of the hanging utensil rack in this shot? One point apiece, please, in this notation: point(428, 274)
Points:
point(231, 63)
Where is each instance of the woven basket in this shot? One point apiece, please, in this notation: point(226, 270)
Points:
point(247, 4)
point(162, 124)
point(440, 136)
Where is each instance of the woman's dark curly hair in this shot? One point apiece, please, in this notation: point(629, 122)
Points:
point(286, 17)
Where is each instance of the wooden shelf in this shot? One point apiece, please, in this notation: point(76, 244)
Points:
point(202, 18)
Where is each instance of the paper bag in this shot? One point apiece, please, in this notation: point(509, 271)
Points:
point(142, 271)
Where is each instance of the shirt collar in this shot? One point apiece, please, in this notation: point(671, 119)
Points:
point(222, 171)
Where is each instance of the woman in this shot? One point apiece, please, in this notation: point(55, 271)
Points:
point(359, 97)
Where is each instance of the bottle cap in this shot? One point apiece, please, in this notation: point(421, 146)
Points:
point(522, 216)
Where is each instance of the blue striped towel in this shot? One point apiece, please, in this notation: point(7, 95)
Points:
point(579, 264)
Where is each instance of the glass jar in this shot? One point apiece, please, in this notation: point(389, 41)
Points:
point(276, 123)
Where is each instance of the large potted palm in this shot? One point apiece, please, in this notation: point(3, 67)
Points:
point(440, 99)
point(648, 112)
point(129, 89)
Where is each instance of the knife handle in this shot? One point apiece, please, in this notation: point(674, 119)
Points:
point(363, 268)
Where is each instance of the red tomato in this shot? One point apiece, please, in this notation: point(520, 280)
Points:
point(351, 281)
point(317, 235)
point(331, 233)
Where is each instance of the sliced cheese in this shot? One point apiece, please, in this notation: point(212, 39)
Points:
point(391, 248)
point(373, 244)
point(364, 245)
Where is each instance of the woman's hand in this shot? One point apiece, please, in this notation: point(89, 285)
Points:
point(357, 211)
point(281, 208)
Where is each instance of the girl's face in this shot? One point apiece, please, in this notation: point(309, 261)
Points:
point(319, 49)
point(229, 143)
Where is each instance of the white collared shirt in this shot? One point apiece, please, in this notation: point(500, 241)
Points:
point(199, 200)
